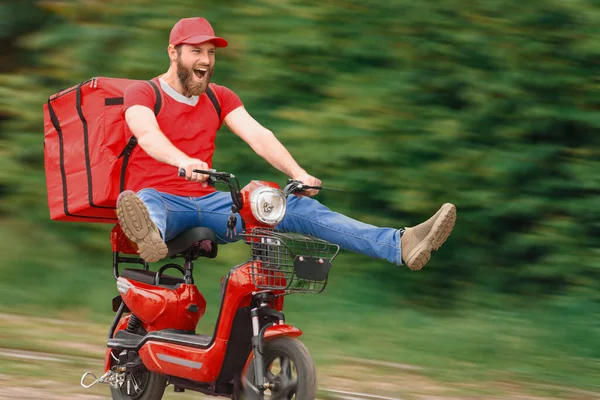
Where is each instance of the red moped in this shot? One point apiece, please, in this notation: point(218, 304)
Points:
point(253, 353)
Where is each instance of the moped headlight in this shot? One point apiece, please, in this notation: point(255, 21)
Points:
point(268, 205)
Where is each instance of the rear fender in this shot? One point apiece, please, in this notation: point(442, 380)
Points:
point(107, 360)
point(123, 322)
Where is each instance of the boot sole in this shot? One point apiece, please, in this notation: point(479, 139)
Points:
point(442, 227)
point(138, 227)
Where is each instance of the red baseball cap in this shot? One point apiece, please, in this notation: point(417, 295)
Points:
point(194, 31)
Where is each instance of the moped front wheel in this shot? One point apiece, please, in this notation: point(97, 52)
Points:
point(140, 385)
point(288, 368)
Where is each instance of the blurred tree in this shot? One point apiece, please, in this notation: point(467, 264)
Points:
point(490, 105)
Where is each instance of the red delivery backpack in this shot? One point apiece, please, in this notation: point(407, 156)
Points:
point(87, 147)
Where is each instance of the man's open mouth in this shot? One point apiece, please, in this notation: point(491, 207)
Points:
point(200, 72)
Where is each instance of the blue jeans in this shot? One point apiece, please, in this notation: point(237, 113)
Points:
point(175, 214)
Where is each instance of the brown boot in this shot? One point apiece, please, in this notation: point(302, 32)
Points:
point(420, 240)
point(139, 228)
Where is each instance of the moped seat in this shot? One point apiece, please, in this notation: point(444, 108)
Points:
point(194, 243)
point(149, 277)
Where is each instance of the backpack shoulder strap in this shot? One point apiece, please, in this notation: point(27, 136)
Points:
point(215, 102)
point(158, 103)
point(133, 141)
point(157, 106)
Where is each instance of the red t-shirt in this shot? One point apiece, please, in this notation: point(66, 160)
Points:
point(191, 128)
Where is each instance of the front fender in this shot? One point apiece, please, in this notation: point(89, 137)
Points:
point(274, 332)
point(282, 330)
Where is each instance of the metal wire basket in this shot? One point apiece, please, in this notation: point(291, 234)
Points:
point(291, 262)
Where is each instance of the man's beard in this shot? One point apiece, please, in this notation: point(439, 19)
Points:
point(186, 78)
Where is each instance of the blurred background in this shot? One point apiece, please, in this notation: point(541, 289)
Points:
point(493, 105)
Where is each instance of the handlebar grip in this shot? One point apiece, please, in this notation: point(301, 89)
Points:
point(182, 171)
point(301, 186)
point(210, 181)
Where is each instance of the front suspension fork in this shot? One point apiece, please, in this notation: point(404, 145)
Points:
point(258, 335)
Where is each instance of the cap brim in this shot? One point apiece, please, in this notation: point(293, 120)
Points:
point(217, 41)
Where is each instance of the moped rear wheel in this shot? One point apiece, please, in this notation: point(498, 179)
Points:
point(141, 385)
point(289, 367)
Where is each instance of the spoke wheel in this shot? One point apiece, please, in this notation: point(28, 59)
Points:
point(140, 385)
point(283, 374)
point(289, 369)
point(135, 384)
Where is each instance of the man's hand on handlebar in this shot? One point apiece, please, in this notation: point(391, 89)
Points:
point(189, 165)
point(198, 171)
point(308, 180)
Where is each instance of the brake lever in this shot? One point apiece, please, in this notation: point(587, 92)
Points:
point(291, 187)
point(295, 188)
point(307, 187)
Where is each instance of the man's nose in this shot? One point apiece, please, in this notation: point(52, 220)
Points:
point(204, 59)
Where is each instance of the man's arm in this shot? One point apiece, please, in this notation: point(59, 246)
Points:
point(266, 145)
point(144, 126)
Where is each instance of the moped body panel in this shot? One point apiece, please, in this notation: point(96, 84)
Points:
point(197, 363)
point(201, 365)
point(163, 308)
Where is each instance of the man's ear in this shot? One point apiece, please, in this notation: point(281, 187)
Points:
point(172, 53)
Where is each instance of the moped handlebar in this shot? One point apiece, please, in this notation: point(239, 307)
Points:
point(225, 177)
point(292, 187)
point(221, 176)
point(210, 181)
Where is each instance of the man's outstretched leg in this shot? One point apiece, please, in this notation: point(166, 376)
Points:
point(411, 246)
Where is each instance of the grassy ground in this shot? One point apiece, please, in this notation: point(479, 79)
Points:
point(411, 357)
point(484, 347)
point(72, 347)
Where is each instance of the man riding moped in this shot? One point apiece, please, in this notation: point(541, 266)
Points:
point(158, 205)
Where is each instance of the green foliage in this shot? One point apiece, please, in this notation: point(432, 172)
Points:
point(490, 105)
